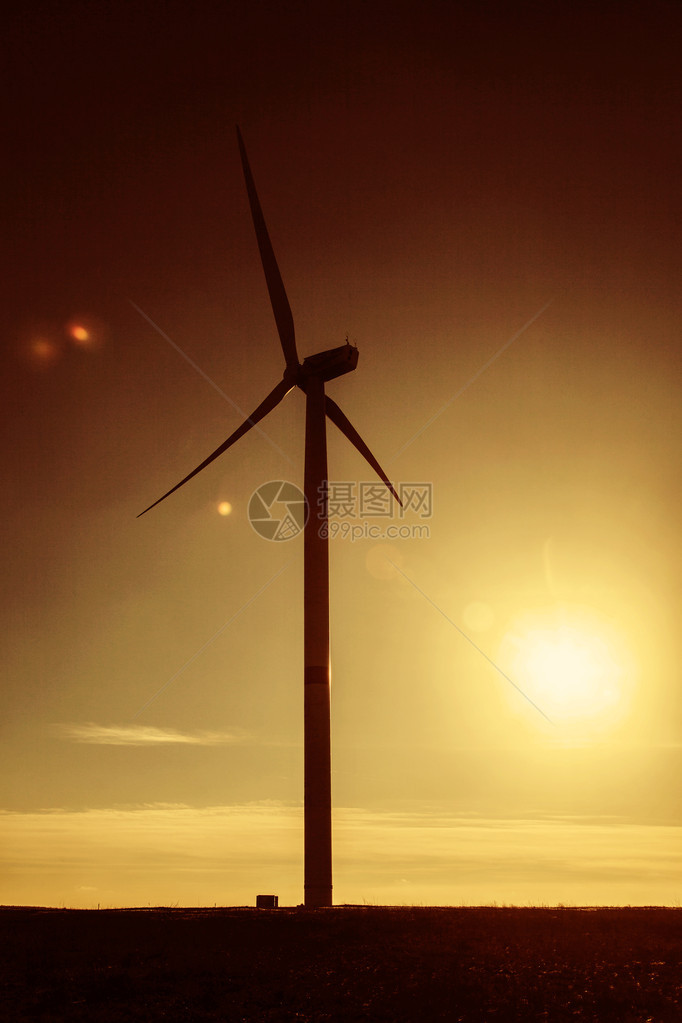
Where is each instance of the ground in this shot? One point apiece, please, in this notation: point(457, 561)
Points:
point(348, 963)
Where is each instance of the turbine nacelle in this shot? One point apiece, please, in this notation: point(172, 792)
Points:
point(328, 365)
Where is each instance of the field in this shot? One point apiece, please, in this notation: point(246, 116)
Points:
point(347, 963)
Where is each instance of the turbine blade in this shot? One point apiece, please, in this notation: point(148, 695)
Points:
point(348, 430)
point(272, 400)
point(278, 296)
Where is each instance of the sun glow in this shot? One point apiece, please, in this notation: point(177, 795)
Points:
point(573, 666)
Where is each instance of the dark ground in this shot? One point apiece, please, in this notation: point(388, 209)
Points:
point(348, 963)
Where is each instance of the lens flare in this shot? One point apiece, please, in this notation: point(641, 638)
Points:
point(381, 561)
point(224, 508)
point(43, 351)
point(85, 332)
point(79, 333)
point(478, 616)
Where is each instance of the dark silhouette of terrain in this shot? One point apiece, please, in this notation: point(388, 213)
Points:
point(348, 963)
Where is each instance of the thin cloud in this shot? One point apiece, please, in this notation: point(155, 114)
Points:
point(142, 735)
point(173, 853)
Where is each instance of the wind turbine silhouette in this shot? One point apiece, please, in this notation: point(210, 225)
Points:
point(310, 376)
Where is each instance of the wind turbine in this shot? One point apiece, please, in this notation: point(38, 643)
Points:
point(310, 376)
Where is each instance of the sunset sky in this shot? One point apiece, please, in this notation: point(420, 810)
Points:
point(484, 197)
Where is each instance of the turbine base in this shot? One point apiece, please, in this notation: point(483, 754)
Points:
point(318, 896)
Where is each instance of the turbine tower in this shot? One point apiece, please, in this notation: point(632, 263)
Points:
point(310, 376)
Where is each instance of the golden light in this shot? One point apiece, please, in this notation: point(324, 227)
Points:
point(573, 665)
point(224, 508)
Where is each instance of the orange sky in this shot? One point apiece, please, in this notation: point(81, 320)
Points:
point(486, 203)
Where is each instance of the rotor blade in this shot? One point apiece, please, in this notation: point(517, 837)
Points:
point(278, 296)
point(348, 430)
point(266, 406)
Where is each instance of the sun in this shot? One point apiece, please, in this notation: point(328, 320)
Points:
point(572, 673)
point(572, 665)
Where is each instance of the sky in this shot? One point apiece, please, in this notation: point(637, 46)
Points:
point(484, 198)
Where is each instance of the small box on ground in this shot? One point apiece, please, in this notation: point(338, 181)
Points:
point(267, 902)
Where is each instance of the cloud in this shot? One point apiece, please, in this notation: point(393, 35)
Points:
point(162, 854)
point(142, 735)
